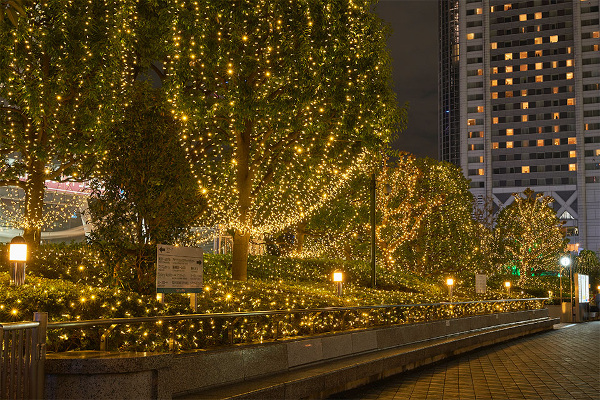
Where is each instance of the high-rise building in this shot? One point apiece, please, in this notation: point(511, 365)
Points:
point(519, 103)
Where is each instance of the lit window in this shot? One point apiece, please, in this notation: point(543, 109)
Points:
point(479, 108)
point(572, 167)
point(524, 92)
point(495, 145)
point(597, 152)
point(539, 78)
point(523, 67)
point(539, 65)
point(596, 34)
point(569, 50)
point(509, 145)
point(494, 45)
point(570, 102)
point(587, 127)
point(555, 115)
point(524, 105)
point(538, 15)
point(480, 158)
point(556, 142)
point(494, 120)
point(523, 54)
point(494, 70)
point(538, 40)
point(555, 89)
point(510, 132)
point(480, 72)
point(523, 17)
point(572, 154)
point(508, 81)
point(480, 171)
point(494, 82)
point(471, 122)
point(508, 56)
point(540, 129)
point(569, 63)
point(572, 140)
point(509, 68)
point(553, 38)
point(569, 75)
point(556, 128)
point(507, 7)
point(554, 64)
point(494, 95)
point(524, 118)
point(470, 36)
point(540, 143)
point(479, 11)
point(508, 93)
point(525, 169)
point(538, 53)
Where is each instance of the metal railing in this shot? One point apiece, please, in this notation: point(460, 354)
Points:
point(22, 355)
point(192, 331)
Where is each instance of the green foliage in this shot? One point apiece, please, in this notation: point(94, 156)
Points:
point(147, 195)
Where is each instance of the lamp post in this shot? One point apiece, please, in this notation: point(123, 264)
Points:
point(565, 261)
point(450, 283)
point(338, 278)
point(17, 256)
point(507, 286)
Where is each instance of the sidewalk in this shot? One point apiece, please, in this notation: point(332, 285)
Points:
point(559, 364)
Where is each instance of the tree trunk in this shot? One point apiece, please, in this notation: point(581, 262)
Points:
point(34, 204)
point(244, 177)
point(239, 268)
point(300, 236)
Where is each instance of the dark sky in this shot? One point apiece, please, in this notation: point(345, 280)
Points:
point(413, 47)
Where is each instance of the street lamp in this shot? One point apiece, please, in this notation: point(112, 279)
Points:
point(338, 278)
point(507, 286)
point(450, 283)
point(17, 256)
point(565, 261)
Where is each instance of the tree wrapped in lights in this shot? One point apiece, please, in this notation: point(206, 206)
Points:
point(284, 102)
point(529, 235)
point(63, 71)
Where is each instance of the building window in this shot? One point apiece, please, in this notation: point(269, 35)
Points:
point(525, 169)
point(572, 140)
point(508, 69)
point(539, 65)
point(554, 64)
point(540, 142)
point(555, 90)
point(508, 81)
point(569, 63)
point(479, 109)
point(479, 11)
point(538, 53)
point(523, 67)
point(480, 72)
point(524, 105)
point(494, 95)
point(480, 171)
point(538, 40)
point(569, 75)
point(556, 128)
point(555, 115)
point(510, 132)
point(494, 82)
point(471, 121)
point(494, 45)
point(470, 36)
point(495, 145)
point(524, 92)
point(539, 78)
point(572, 154)
point(538, 15)
point(523, 54)
point(523, 17)
point(570, 102)
point(554, 39)
point(494, 120)
point(572, 167)
point(556, 142)
point(508, 93)
point(524, 118)
point(509, 145)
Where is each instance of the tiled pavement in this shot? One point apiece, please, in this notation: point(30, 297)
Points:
point(559, 364)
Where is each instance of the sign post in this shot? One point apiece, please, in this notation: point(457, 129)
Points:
point(480, 283)
point(179, 270)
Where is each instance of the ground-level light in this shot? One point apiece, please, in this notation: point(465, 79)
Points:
point(338, 278)
point(17, 256)
point(450, 283)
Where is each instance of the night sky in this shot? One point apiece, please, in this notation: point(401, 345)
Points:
point(413, 46)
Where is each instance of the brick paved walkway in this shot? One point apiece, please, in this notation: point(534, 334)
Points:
point(560, 364)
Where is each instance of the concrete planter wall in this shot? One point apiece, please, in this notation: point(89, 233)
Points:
point(102, 375)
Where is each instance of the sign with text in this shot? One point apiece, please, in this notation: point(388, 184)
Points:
point(480, 283)
point(178, 269)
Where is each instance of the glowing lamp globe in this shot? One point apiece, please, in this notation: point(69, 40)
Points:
point(450, 282)
point(565, 261)
point(338, 276)
point(507, 284)
point(17, 249)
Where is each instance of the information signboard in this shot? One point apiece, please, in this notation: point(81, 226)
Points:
point(178, 269)
point(583, 284)
point(480, 283)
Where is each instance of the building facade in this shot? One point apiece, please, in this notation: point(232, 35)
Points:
point(519, 103)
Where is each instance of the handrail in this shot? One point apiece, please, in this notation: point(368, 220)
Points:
point(13, 326)
point(181, 317)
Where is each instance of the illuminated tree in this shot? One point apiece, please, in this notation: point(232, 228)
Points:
point(587, 262)
point(12, 10)
point(284, 102)
point(63, 70)
point(529, 235)
point(444, 240)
